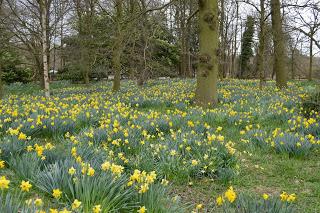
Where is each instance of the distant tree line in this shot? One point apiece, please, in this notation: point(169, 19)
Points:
point(85, 40)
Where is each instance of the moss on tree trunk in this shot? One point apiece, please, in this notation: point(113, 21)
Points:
point(207, 73)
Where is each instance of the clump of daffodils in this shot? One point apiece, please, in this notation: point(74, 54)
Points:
point(142, 180)
point(229, 199)
point(230, 195)
point(285, 197)
point(115, 169)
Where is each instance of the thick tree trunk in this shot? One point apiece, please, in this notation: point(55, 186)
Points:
point(310, 60)
point(45, 48)
point(206, 93)
point(279, 46)
point(117, 50)
point(262, 42)
point(39, 70)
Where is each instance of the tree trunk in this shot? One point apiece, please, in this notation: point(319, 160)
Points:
point(142, 73)
point(116, 64)
point(44, 21)
point(234, 54)
point(144, 38)
point(188, 34)
point(239, 72)
point(116, 55)
point(222, 46)
point(206, 92)
point(310, 60)
point(61, 45)
point(279, 46)
point(183, 34)
point(262, 42)
point(39, 70)
point(86, 70)
point(1, 86)
point(292, 65)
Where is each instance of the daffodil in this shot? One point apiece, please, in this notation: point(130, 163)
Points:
point(230, 195)
point(2, 164)
point(265, 196)
point(38, 202)
point(4, 182)
point(76, 204)
point(142, 209)
point(96, 209)
point(56, 193)
point(219, 200)
point(72, 171)
point(25, 186)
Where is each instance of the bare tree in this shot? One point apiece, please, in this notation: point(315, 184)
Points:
point(309, 25)
point(32, 25)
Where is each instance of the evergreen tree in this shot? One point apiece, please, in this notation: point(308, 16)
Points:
point(246, 47)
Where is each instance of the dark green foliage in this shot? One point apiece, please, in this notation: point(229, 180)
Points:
point(70, 72)
point(12, 69)
point(312, 104)
point(166, 55)
point(246, 47)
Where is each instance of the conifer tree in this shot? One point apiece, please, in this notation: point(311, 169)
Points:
point(246, 47)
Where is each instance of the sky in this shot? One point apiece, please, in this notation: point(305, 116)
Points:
point(293, 18)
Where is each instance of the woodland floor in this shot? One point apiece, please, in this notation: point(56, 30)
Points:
point(259, 172)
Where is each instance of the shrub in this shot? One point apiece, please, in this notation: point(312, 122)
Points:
point(311, 104)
